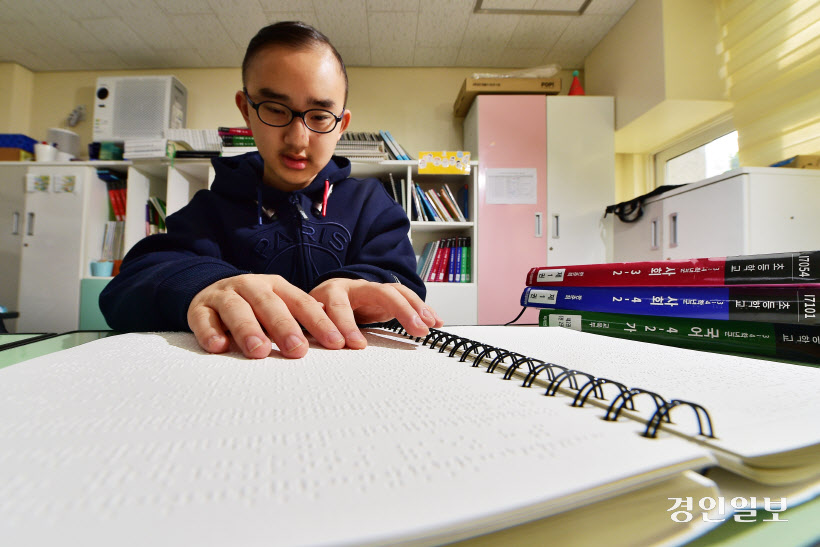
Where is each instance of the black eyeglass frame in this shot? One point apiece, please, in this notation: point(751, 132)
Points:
point(293, 114)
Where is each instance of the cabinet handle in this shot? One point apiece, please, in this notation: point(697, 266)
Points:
point(555, 227)
point(30, 224)
point(654, 234)
point(538, 224)
point(673, 229)
point(15, 223)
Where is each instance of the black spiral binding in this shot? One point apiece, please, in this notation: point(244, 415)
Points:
point(583, 383)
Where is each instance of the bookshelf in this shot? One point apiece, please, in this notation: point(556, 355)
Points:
point(455, 302)
point(176, 181)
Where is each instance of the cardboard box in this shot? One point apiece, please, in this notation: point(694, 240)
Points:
point(513, 86)
point(15, 154)
point(804, 162)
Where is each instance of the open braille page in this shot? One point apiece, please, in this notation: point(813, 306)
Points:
point(144, 439)
point(764, 413)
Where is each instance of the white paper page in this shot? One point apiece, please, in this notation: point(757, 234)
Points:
point(143, 439)
point(757, 407)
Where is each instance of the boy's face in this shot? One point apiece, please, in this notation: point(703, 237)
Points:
point(301, 80)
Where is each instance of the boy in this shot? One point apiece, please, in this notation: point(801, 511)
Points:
point(284, 237)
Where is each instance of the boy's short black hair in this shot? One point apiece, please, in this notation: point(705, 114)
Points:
point(292, 34)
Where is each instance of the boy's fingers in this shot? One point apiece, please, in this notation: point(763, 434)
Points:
point(208, 329)
point(427, 313)
point(391, 303)
point(239, 318)
point(298, 305)
point(337, 306)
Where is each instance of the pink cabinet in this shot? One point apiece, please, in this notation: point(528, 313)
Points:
point(546, 172)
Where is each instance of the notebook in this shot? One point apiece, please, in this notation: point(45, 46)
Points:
point(145, 439)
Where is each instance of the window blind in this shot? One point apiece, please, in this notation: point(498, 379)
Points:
point(771, 63)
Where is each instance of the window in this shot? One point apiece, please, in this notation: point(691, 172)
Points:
point(708, 153)
point(708, 160)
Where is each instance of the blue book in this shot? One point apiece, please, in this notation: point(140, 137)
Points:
point(428, 208)
point(403, 155)
point(746, 303)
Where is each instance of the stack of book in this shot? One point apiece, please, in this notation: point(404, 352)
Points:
point(236, 140)
point(446, 260)
point(436, 205)
point(362, 147)
point(396, 150)
point(193, 143)
point(762, 304)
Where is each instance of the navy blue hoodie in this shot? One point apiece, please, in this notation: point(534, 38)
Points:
point(336, 227)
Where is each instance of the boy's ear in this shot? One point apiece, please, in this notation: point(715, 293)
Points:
point(345, 121)
point(242, 104)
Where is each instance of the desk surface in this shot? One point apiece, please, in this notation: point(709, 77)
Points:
point(15, 348)
point(800, 530)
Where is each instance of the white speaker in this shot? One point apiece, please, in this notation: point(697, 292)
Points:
point(138, 107)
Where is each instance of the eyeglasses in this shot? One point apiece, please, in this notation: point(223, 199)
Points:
point(279, 115)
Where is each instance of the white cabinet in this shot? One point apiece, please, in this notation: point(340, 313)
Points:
point(12, 215)
point(546, 175)
point(744, 211)
point(65, 214)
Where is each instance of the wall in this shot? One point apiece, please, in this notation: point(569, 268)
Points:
point(415, 104)
point(661, 63)
point(16, 88)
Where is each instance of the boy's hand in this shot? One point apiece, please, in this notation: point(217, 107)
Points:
point(250, 304)
point(245, 304)
point(348, 301)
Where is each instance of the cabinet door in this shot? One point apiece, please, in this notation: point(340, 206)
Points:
point(642, 239)
point(49, 292)
point(580, 179)
point(706, 221)
point(12, 215)
point(511, 138)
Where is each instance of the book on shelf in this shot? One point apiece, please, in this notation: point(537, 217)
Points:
point(761, 269)
point(155, 212)
point(464, 200)
point(393, 147)
point(395, 189)
point(427, 210)
point(117, 192)
point(445, 260)
point(436, 205)
point(223, 130)
point(361, 147)
point(779, 340)
point(450, 201)
point(237, 140)
point(399, 148)
point(425, 441)
point(194, 140)
point(237, 150)
point(435, 201)
point(771, 304)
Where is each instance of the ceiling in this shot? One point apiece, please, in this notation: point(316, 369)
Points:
point(58, 35)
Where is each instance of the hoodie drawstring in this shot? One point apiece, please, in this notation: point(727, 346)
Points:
point(325, 196)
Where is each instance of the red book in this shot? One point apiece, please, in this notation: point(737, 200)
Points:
point(444, 267)
point(117, 203)
point(434, 269)
point(234, 131)
point(761, 269)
